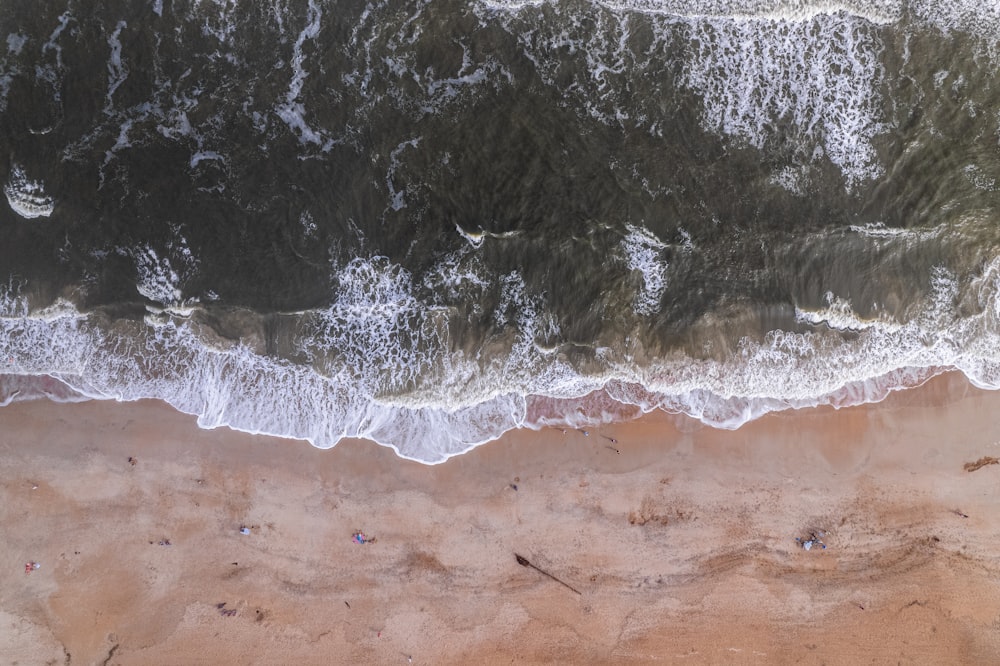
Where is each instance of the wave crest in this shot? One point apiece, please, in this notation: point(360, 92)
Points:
point(236, 386)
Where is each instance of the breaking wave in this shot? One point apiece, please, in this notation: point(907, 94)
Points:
point(395, 378)
point(27, 197)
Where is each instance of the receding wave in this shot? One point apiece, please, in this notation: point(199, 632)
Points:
point(390, 383)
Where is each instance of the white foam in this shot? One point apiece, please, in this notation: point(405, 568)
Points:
point(387, 66)
point(203, 155)
point(979, 179)
point(981, 19)
point(221, 26)
point(121, 143)
point(16, 42)
point(374, 319)
point(819, 77)
point(27, 197)
point(384, 367)
point(449, 87)
point(879, 230)
point(179, 124)
point(362, 81)
point(397, 198)
point(793, 179)
point(457, 277)
point(309, 226)
point(53, 42)
point(278, 10)
point(767, 70)
point(643, 252)
point(292, 110)
point(875, 11)
point(117, 71)
point(159, 279)
point(475, 238)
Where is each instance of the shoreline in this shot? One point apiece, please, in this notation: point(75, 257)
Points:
point(685, 530)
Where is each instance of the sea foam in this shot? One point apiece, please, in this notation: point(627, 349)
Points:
point(820, 77)
point(383, 367)
point(27, 197)
point(766, 70)
point(643, 251)
point(292, 109)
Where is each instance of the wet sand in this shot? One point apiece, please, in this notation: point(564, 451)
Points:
point(682, 546)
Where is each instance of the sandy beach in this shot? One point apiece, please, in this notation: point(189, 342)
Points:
point(675, 543)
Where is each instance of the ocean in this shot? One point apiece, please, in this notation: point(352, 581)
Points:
point(427, 223)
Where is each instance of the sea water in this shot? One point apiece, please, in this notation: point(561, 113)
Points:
point(429, 222)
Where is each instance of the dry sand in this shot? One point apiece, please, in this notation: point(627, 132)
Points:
point(682, 546)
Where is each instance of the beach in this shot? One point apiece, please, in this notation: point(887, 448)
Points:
point(673, 542)
point(325, 330)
